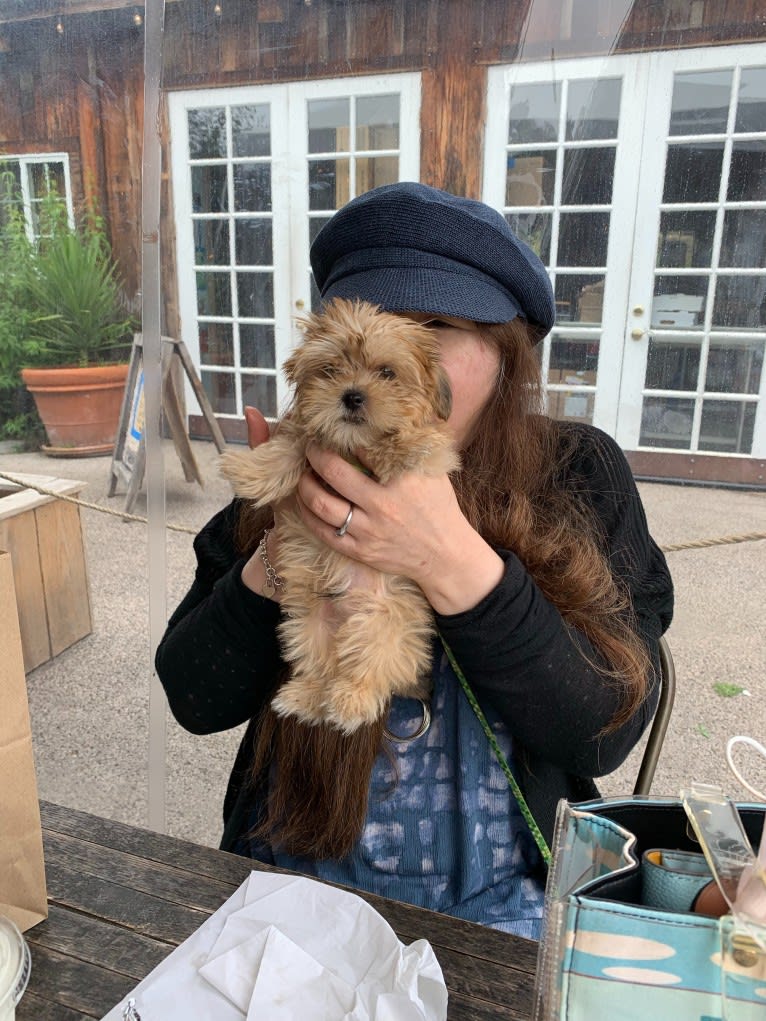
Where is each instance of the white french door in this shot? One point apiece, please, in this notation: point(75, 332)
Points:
point(693, 375)
point(256, 173)
point(640, 180)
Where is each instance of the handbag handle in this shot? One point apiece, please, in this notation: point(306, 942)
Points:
point(545, 851)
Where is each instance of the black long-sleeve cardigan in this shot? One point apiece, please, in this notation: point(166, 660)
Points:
point(219, 658)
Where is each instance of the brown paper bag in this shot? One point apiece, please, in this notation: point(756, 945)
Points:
point(22, 874)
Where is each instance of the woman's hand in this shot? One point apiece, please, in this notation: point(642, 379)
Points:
point(411, 526)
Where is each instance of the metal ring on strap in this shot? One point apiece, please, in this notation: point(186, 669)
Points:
point(425, 723)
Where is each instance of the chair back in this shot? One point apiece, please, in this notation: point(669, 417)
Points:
point(660, 722)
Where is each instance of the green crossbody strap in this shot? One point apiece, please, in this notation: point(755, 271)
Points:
point(530, 820)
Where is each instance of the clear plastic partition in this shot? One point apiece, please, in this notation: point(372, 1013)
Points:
point(184, 155)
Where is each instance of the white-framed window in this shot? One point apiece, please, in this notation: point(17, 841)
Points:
point(28, 179)
point(257, 171)
point(640, 180)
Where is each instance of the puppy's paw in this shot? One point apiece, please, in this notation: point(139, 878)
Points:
point(300, 698)
point(349, 705)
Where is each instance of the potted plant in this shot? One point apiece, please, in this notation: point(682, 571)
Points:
point(77, 333)
point(19, 422)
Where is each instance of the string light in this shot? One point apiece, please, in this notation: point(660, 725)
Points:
point(138, 19)
point(217, 10)
point(60, 27)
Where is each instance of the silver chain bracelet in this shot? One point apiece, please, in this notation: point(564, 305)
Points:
point(273, 580)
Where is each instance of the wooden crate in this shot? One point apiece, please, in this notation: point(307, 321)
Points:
point(44, 538)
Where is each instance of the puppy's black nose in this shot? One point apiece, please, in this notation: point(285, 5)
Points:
point(353, 399)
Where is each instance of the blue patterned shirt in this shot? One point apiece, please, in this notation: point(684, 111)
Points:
point(443, 828)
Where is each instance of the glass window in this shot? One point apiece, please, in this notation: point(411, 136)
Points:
point(700, 103)
point(593, 108)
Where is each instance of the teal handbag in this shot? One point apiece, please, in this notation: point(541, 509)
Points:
point(620, 940)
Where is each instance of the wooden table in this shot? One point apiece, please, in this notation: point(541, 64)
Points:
point(122, 898)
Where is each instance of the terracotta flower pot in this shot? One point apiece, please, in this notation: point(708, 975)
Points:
point(79, 407)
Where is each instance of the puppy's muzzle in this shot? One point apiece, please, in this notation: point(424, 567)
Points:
point(354, 402)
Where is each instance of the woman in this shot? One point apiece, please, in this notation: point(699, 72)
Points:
point(535, 558)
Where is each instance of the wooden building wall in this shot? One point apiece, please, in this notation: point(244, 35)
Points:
point(79, 90)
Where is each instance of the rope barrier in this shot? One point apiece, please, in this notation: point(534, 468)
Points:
point(92, 506)
point(723, 540)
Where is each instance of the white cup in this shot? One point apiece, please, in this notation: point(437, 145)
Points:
point(15, 965)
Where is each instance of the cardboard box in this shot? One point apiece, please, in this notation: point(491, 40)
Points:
point(672, 310)
point(44, 538)
point(591, 303)
point(570, 406)
point(524, 185)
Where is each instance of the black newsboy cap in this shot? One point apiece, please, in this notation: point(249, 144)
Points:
point(411, 248)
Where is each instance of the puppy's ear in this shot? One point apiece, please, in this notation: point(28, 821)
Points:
point(443, 396)
point(291, 368)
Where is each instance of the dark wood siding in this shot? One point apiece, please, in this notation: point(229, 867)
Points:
point(80, 90)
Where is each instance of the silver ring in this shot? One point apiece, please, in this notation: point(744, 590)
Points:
point(340, 532)
point(422, 728)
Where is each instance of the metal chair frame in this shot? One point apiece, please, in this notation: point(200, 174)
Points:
point(660, 722)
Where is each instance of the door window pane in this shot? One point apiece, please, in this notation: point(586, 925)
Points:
point(744, 238)
point(253, 242)
point(583, 239)
point(329, 125)
point(573, 360)
point(530, 178)
point(673, 364)
point(315, 225)
point(207, 133)
point(211, 242)
point(740, 303)
point(693, 172)
point(751, 107)
point(377, 122)
point(579, 298)
point(374, 171)
point(209, 189)
point(251, 130)
point(252, 187)
point(700, 103)
point(328, 184)
point(535, 230)
point(216, 343)
point(747, 174)
point(593, 108)
point(534, 113)
point(727, 426)
point(256, 346)
point(667, 422)
point(588, 177)
point(255, 295)
point(260, 392)
point(570, 406)
point(679, 302)
point(685, 239)
point(213, 294)
point(735, 369)
point(220, 388)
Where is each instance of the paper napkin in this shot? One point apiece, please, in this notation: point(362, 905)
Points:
point(284, 947)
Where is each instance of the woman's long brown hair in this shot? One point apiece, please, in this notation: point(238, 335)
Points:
point(512, 489)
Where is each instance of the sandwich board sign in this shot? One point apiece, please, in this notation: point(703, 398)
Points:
point(129, 456)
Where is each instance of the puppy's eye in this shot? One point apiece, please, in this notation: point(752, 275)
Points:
point(386, 373)
point(330, 371)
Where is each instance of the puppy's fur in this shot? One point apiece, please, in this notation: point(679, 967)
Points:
point(370, 382)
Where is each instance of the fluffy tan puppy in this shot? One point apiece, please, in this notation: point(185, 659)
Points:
point(366, 383)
